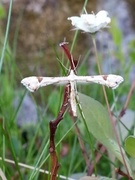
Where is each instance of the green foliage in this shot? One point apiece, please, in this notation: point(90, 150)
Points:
point(116, 34)
point(54, 102)
point(132, 52)
point(29, 144)
point(130, 145)
point(98, 123)
point(2, 11)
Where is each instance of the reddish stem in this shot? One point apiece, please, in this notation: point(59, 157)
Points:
point(53, 127)
point(123, 174)
point(73, 62)
point(127, 100)
point(102, 150)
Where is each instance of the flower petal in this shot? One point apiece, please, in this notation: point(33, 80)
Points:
point(79, 23)
point(90, 22)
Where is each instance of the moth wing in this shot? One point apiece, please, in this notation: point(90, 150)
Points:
point(31, 83)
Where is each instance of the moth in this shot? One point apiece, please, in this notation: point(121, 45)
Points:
point(33, 83)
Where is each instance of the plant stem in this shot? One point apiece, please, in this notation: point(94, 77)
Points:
point(53, 128)
point(6, 35)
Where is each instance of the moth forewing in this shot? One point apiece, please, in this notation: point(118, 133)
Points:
point(31, 83)
point(111, 80)
point(114, 80)
point(53, 80)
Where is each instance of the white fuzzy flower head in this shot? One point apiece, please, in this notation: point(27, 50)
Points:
point(90, 22)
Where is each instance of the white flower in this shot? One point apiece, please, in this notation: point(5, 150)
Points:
point(90, 22)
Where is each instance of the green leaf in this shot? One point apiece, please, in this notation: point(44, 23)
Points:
point(99, 124)
point(130, 145)
point(116, 33)
point(2, 11)
point(53, 106)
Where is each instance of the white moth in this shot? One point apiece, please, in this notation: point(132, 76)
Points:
point(33, 83)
